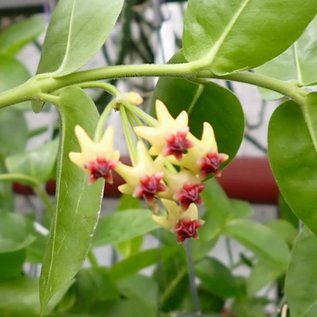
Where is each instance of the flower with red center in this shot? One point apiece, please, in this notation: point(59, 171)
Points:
point(187, 228)
point(150, 186)
point(183, 223)
point(177, 144)
point(96, 158)
point(183, 187)
point(203, 158)
point(211, 164)
point(101, 168)
point(144, 179)
point(170, 136)
point(190, 193)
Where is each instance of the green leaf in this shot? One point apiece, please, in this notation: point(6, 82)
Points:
point(300, 283)
point(282, 67)
point(11, 264)
point(262, 274)
point(293, 157)
point(141, 260)
point(286, 213)
point(264, 242)
point(96, 281)
point(240, 208)
point(205, 102)
point(38, 163)
point(216, 278)
point(78, 203)
point(12, 74)
point(172, 278)
point(16, 232)
point(122, 226)
point(19, 298)
point(132, 246)
point(284, 229)
point(217, 210)
point(298, 62)
point(19, 34)
point(235, 34)
point(12, 141)
point(77, 30)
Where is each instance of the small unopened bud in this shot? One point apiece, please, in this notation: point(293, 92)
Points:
point(130, 97)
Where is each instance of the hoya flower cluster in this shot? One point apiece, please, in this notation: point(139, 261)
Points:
point(168, 174)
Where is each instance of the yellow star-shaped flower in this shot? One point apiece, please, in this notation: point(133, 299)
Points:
point(96, 158)
point(169, 136)
point(203, 157)
point(145, 178)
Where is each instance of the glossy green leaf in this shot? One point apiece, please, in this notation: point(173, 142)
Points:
point(38, 163)
point(16, 232)
point(240, 209)
point(205, 102)
point(286, 213)
point(264, 242)
point(293, 157)
point(12, 141)
point(217, 210)
point(77, 30)
point(132, 246)
point(282, 67)
point(11, 264)
point(209, 303)
point(122, 226)
point(19, 298)
point(12, 72)
point(235, 34)
point(19, 34)
point(135, 263)
point(262, 274)
point(96, 281)
point(78, 203)
point(216, 277)
point(172, 278)
point(284, 229)
point(298, 62)
point(300, 283)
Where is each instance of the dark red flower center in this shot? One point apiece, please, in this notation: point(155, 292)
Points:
point(187, 228)
point(149, 187)
point(211, 164)
point(101, 168)
point(190, 193)
point(177, 144)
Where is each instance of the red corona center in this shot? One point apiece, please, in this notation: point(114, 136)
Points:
point(150, 186)
point(177, 144)
point(211, 164)
point(190, 193)
point(187, 228)
point(101, 168)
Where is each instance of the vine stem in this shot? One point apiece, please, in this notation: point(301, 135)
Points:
point(45, 83)
point(100, 129)
point(128, 135)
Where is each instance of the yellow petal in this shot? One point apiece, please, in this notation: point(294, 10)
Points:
point(208, 138)
point(77, 159)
